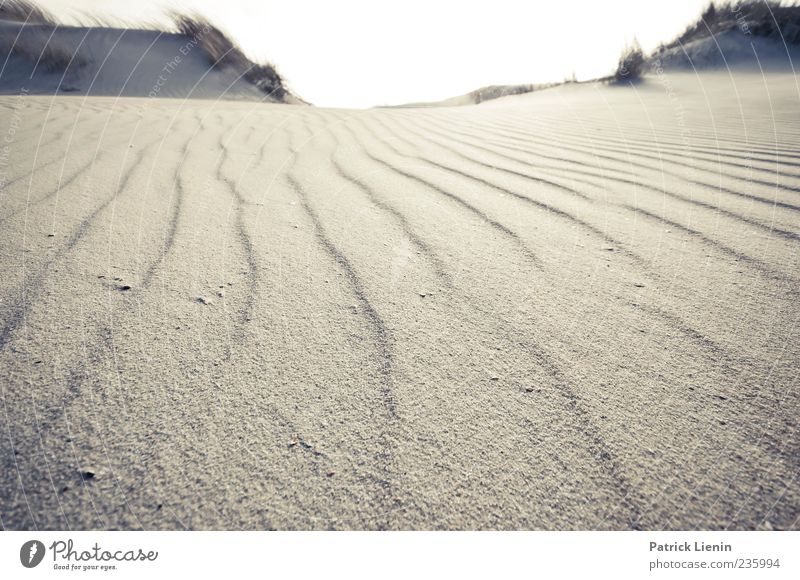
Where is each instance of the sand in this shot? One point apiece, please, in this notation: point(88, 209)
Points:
point(575, 309)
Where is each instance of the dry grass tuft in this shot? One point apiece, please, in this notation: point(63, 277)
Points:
point(24, 11)
point(223, 53)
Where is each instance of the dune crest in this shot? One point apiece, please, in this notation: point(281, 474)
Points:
point(200, 62)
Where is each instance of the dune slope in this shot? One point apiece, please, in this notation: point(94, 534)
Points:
point(571, 309)
point(46, 59)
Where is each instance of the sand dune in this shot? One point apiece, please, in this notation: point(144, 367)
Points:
point(49, 59)
point(571, 309)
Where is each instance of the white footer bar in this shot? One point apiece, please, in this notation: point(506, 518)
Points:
point(378, 555)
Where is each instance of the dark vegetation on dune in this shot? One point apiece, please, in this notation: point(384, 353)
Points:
point(631, 64)
point(38, 46)
point(223, 53)
point(24, 11)
point(760, 18)
point(41, 46)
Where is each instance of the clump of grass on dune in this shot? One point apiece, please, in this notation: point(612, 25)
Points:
point(26, 12)
point(631, 64)
point(223, 53)
point(37, 44)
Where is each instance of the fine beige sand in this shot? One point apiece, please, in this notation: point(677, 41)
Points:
point(575, 309)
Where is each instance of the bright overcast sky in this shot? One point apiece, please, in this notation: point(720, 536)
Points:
point(361, 53)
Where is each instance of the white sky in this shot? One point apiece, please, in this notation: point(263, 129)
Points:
point(360, 53)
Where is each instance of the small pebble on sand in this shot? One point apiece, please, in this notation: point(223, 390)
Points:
point(86, 474)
